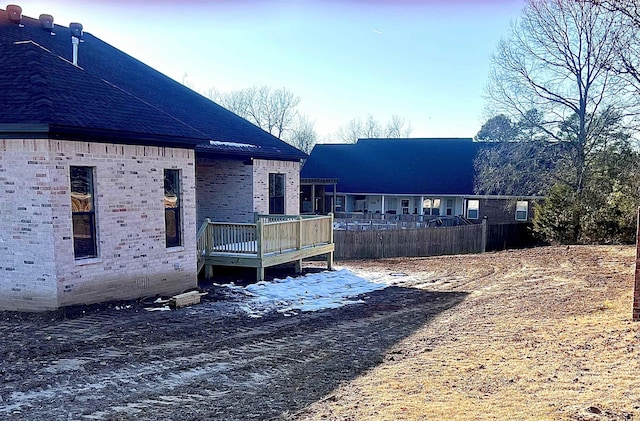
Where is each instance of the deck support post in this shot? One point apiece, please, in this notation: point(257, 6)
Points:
point(260, 250)
point(208, 271)
point(330, 255)
point(298, 266)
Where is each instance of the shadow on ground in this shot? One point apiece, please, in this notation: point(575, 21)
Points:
point(118, 361)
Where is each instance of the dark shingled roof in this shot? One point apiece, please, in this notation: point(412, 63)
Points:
point(111, 96)
point(396, 166)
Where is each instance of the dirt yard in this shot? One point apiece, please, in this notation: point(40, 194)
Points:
point(531, 334)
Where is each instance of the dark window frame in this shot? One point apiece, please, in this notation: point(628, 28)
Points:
point(172, 208)
point(405, 209)
point(449, 206)
point(83, 212)
point(277, 193)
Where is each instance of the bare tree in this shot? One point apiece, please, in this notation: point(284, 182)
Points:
point(629, 8)
point(273, 110)
point(303, 135)
point(369, 128)
point(398, 127)
point(628, 11)
point(558, 60)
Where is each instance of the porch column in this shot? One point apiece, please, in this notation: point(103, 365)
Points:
point(333, 207)
point(421, 206)
point(313, 198)
point(382, 211)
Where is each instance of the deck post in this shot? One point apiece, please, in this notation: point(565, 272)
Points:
point(207, 237)
point(299, 244)
point(208, 233)
point(260, 250)
point(330, 255)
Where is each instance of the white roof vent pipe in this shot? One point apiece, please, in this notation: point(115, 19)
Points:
point(14, 12)
point(76, 37)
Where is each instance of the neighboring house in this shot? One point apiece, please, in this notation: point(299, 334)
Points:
point(431, 177)
point(108, 168)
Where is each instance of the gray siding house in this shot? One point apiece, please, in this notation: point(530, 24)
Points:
point(416, 176)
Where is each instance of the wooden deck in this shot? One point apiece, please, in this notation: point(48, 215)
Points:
point(272, 240)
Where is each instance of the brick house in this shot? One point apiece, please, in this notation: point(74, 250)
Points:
point(429, 177)
point(108, 167)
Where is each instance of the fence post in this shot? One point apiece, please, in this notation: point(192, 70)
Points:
point(483, 247)
point(636, 289)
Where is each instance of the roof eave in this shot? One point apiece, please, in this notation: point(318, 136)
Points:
point(19, 131)
point(251, 154)
point(62, 132)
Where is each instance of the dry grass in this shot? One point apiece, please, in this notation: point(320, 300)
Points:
point(544, 334)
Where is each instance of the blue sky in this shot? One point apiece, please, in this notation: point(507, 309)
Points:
point(425, 60)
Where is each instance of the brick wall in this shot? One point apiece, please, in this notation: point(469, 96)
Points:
point(261, 170)
point(501, 211)
point(224, 190)
point(133, 260)
point(27, 259)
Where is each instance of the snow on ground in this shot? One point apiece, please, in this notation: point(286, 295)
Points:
point(312, 292)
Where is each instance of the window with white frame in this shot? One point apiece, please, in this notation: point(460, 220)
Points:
point(431, 207)
point(473, 209)
point(522, 210)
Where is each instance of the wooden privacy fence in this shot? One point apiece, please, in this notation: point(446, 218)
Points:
point(509, 235)
point(410, 243)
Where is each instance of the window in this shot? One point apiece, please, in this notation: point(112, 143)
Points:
point(449, 208)
point(522, 210)
point(339, 203)
point(83, 214)
point(172, 208)
point(431, 207)
point(473, 207)
point(405, 206)
point(276, 194)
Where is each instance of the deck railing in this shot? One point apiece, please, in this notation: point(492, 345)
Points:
point(270, 234)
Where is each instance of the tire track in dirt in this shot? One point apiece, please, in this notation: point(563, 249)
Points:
point(194, 364)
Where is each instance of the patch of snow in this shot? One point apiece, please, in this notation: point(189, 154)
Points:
point(312, 292)
point(233, 144)
point(164, 308)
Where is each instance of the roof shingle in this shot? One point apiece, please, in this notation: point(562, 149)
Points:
point(397, 166)
point(112, 94)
